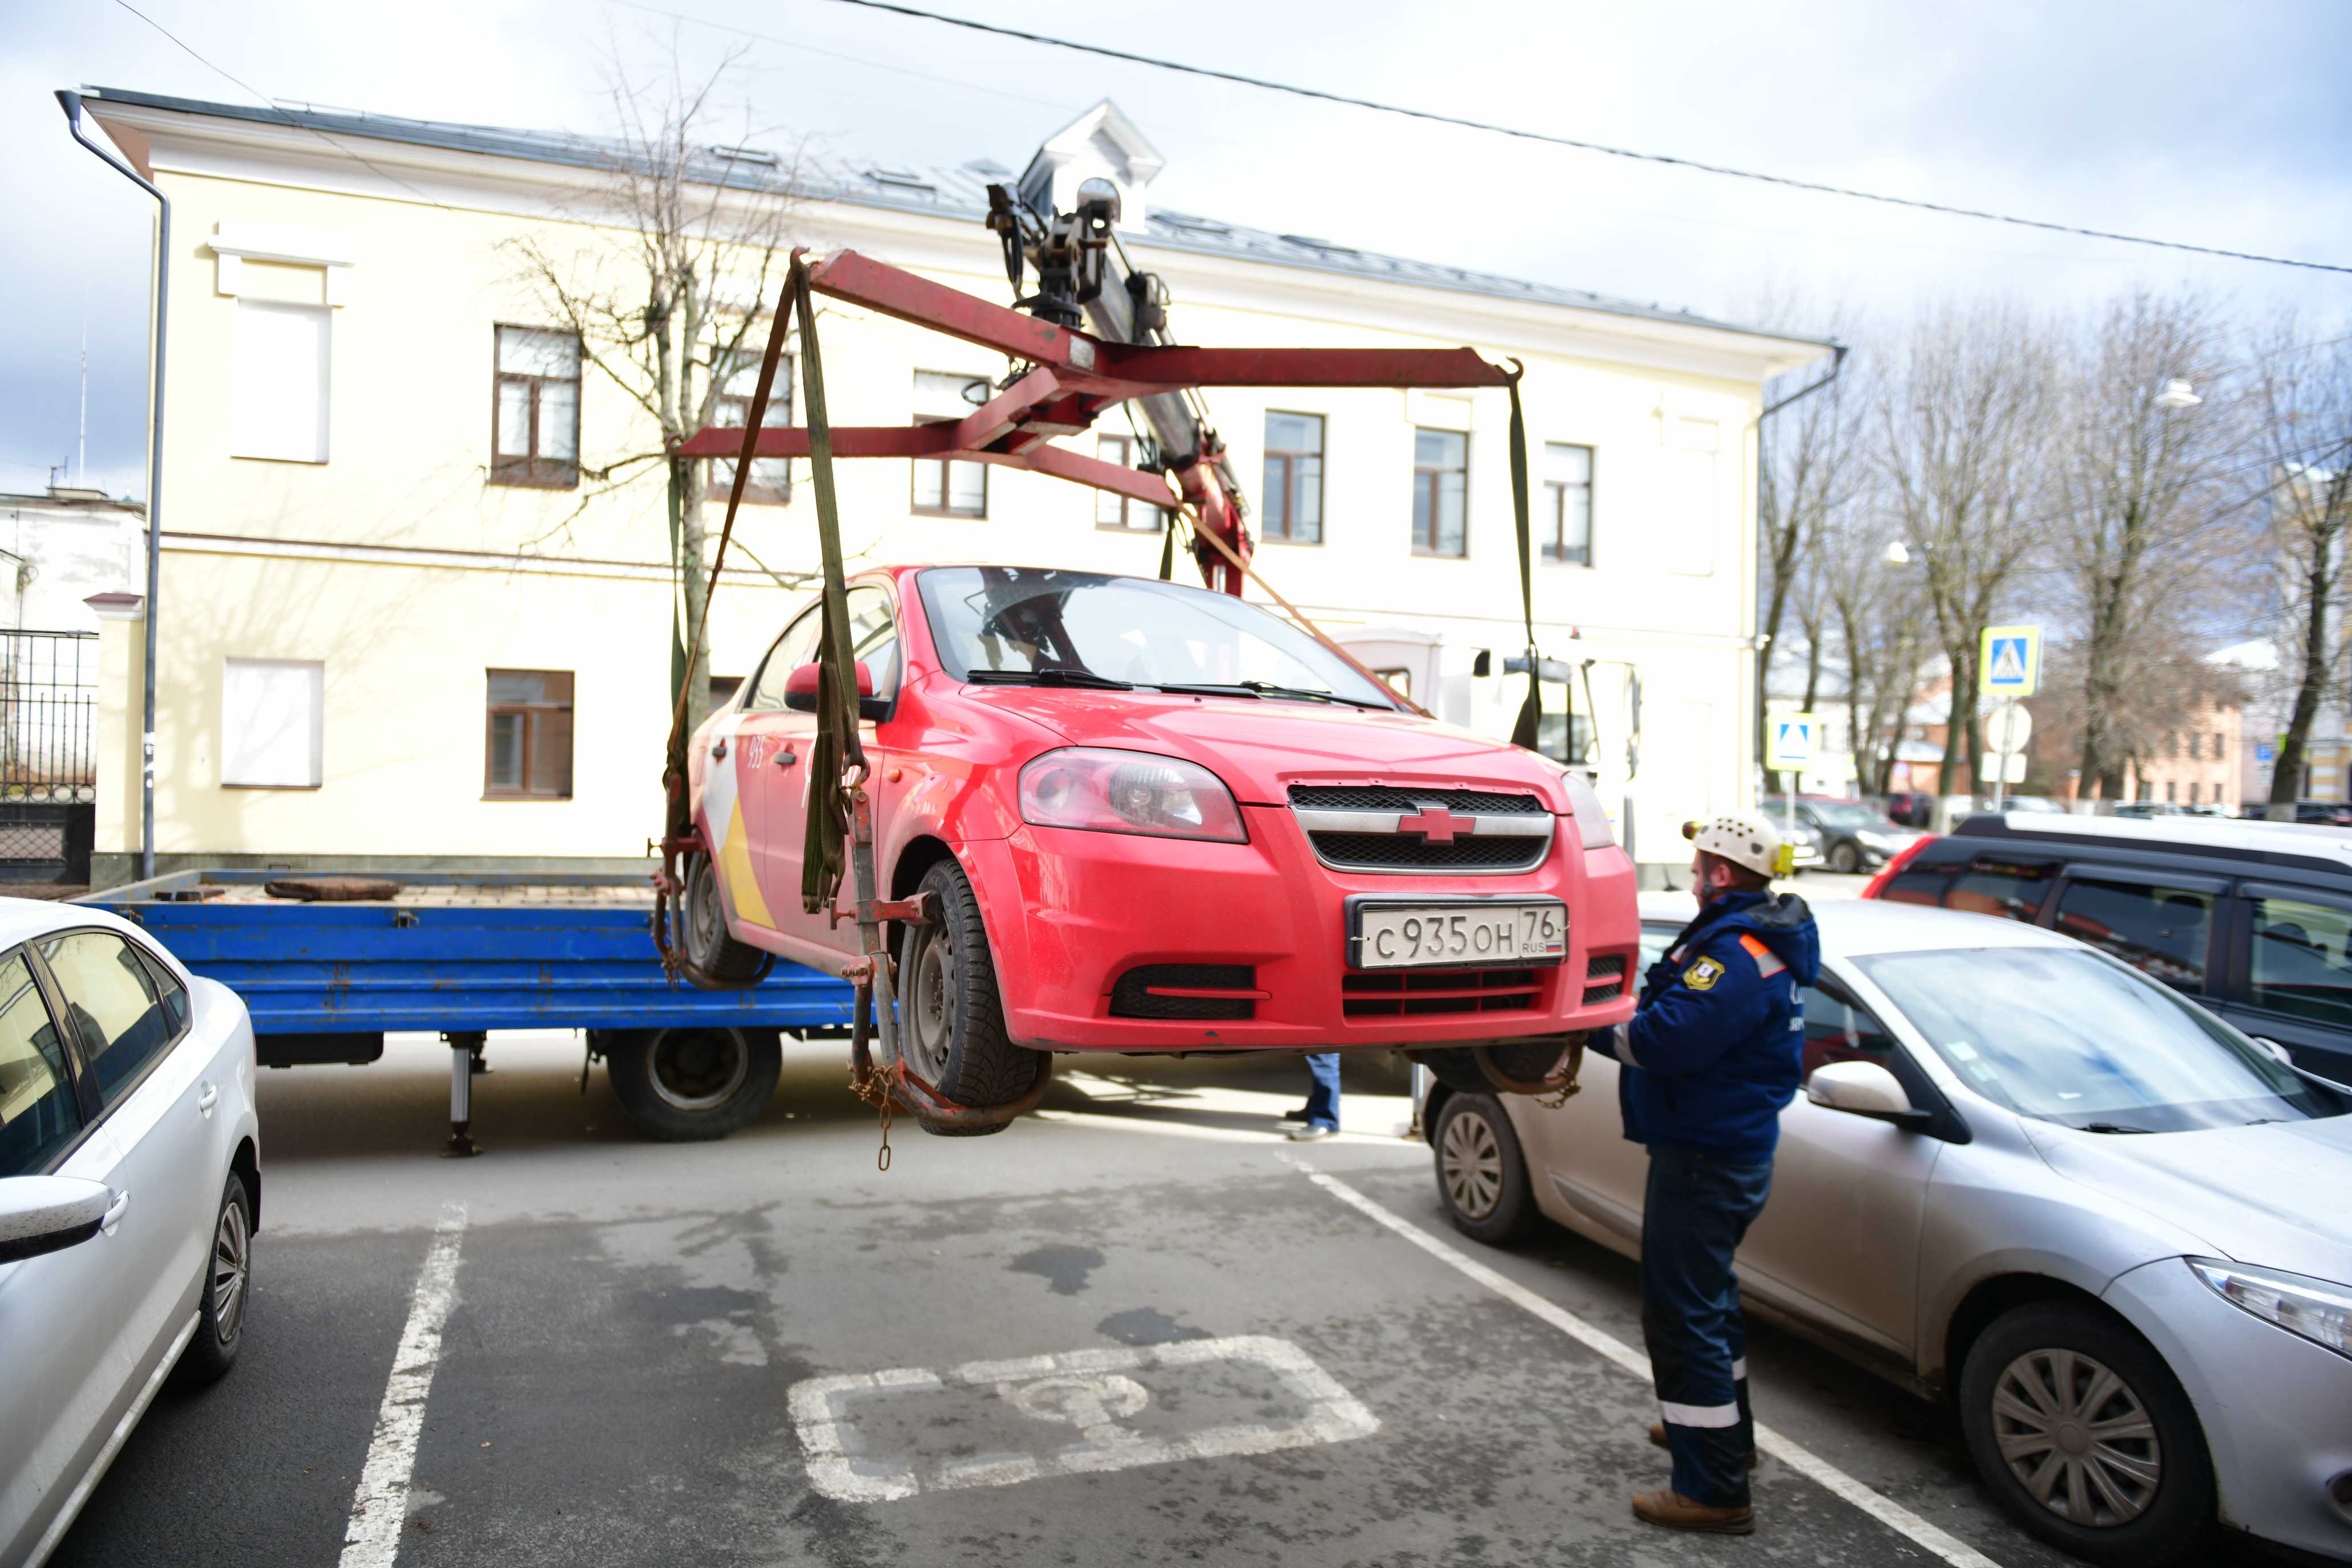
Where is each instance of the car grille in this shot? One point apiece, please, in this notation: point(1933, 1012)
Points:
point(1604, 978)
point(1352, 798)
point(1354, 828)
point(1414, 993)
point(1145, 992)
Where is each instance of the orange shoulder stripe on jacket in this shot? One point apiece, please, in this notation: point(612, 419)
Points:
point(1766, 965)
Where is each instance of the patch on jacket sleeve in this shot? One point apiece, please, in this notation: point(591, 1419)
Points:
point(1702, 975)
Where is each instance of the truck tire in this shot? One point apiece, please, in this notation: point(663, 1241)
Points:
point(702, 929)
point(2026, 1396)
point(1482, 1176)
point(951, 1015)
point(226, 1285)
point(693, 1084)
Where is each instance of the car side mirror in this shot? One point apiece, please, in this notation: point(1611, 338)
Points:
point(48, 1214)
point(2278, 1053)
point(1860, 1089)
point(801, 688)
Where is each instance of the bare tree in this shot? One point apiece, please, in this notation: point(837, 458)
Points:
point(668, 284)
point(1963, 421)
point(1808, 447)
point(1876, 610)
point(2145, 512)
point(2304, 402)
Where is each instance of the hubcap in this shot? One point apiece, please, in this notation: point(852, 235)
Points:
point(930, 1031)
point(2076, 1438)
point(699, 1069)
point(1470, 1161)
point(232, 1248)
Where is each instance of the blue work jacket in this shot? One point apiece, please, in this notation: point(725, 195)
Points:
point(1717, 1044)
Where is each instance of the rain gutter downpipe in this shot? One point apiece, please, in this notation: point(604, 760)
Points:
point(71, 103)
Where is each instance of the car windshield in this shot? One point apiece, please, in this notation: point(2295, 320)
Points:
point(1090, 629)
point(2073, 1037)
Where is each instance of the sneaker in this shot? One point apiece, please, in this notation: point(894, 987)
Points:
point(1658, 1440)
point(1310, 1133)
point(1671, 1511)
point(1298, 1115)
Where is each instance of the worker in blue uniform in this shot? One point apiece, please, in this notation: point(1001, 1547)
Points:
point(1713, 1054)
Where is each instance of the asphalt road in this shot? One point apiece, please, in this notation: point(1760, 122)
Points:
point(655, 1354)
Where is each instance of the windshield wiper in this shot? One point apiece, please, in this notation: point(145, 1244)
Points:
point(1054, 676)
point(2111, 1127)
point(1263, 689)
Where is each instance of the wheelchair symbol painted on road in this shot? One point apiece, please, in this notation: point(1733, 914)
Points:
point(864, 1434)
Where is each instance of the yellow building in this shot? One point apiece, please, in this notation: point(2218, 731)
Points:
point(384, 644)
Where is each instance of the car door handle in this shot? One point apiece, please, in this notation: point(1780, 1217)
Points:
point(113, 1215)
point(718, 750)
point(785, 758)
point(206, 1099)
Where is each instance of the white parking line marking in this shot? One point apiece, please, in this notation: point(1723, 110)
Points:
point(1803, 1460)
point(1086, 1389)
point(380, 1506)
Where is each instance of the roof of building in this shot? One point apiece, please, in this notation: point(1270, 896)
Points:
point(958, 192)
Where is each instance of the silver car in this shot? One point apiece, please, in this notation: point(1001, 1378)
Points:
point(130, 1183)
point(2025, 1177)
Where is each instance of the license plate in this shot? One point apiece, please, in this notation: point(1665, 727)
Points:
point(1458, 936)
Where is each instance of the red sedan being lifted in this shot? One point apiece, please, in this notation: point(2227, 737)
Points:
point(1157, 818)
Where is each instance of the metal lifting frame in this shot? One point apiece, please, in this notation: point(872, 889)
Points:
point(1074, 376)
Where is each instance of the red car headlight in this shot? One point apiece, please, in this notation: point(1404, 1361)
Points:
point(1107, 791)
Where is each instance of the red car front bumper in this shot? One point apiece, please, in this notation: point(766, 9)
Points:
point(1069, 913)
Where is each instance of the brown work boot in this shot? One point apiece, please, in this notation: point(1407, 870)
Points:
point(1674, 1511)
point(1658, 1440)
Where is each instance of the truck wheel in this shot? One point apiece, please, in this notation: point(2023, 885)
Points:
point(693, 1084)
point(953, 1019)
point(220, 1305)
point(1482, 1177)
point(702, 927)
point(2086, 1437)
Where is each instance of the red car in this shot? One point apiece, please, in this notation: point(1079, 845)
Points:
point(1157, 818)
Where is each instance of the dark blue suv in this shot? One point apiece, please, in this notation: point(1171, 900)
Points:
point(2253, 919)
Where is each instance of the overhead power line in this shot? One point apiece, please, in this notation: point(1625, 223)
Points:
point(1784, 181)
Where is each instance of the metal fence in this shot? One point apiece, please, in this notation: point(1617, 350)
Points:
point(49, 753)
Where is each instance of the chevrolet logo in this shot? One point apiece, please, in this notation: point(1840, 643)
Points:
point(1435, 825)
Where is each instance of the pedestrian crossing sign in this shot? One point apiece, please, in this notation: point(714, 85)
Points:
point(1795, 737)
point(2011, 661)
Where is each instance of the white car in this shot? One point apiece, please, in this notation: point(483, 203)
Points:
point(2110, 1228)
point(130, 1190)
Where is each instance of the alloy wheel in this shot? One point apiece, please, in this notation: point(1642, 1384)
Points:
point(1470, 1160)
point(232, 1255)
point(2077, 1437)
point(695, 1071)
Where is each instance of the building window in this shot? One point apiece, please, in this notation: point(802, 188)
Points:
point(2194, 785)
point(1568, 504)
point(273, 723)
point(771, 478)
point(278, 395)
point(945, 488)
point(1113, 510)
point(2168, 797)
point(1293, 479)
point(2196, 745)
point(529, 755)
point(536, 435)
point(1441, 472)
point(2217, 745)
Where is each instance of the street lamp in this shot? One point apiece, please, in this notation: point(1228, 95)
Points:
point(1897, 553)
point(2177, 393)
point(71, 103)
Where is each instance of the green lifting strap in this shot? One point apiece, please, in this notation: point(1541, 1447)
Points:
point(837, 747)
point(1524, 733)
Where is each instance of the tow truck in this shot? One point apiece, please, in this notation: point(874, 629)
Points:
point(1086, 813)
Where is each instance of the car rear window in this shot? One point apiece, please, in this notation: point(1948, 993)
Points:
point(1981, 884)
point(2162, 931)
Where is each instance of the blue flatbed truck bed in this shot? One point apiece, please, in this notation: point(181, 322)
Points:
point(465, 953)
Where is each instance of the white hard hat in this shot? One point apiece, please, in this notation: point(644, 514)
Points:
point(1744, 838)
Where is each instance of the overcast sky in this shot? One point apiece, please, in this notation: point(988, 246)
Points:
point(2224, 125)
